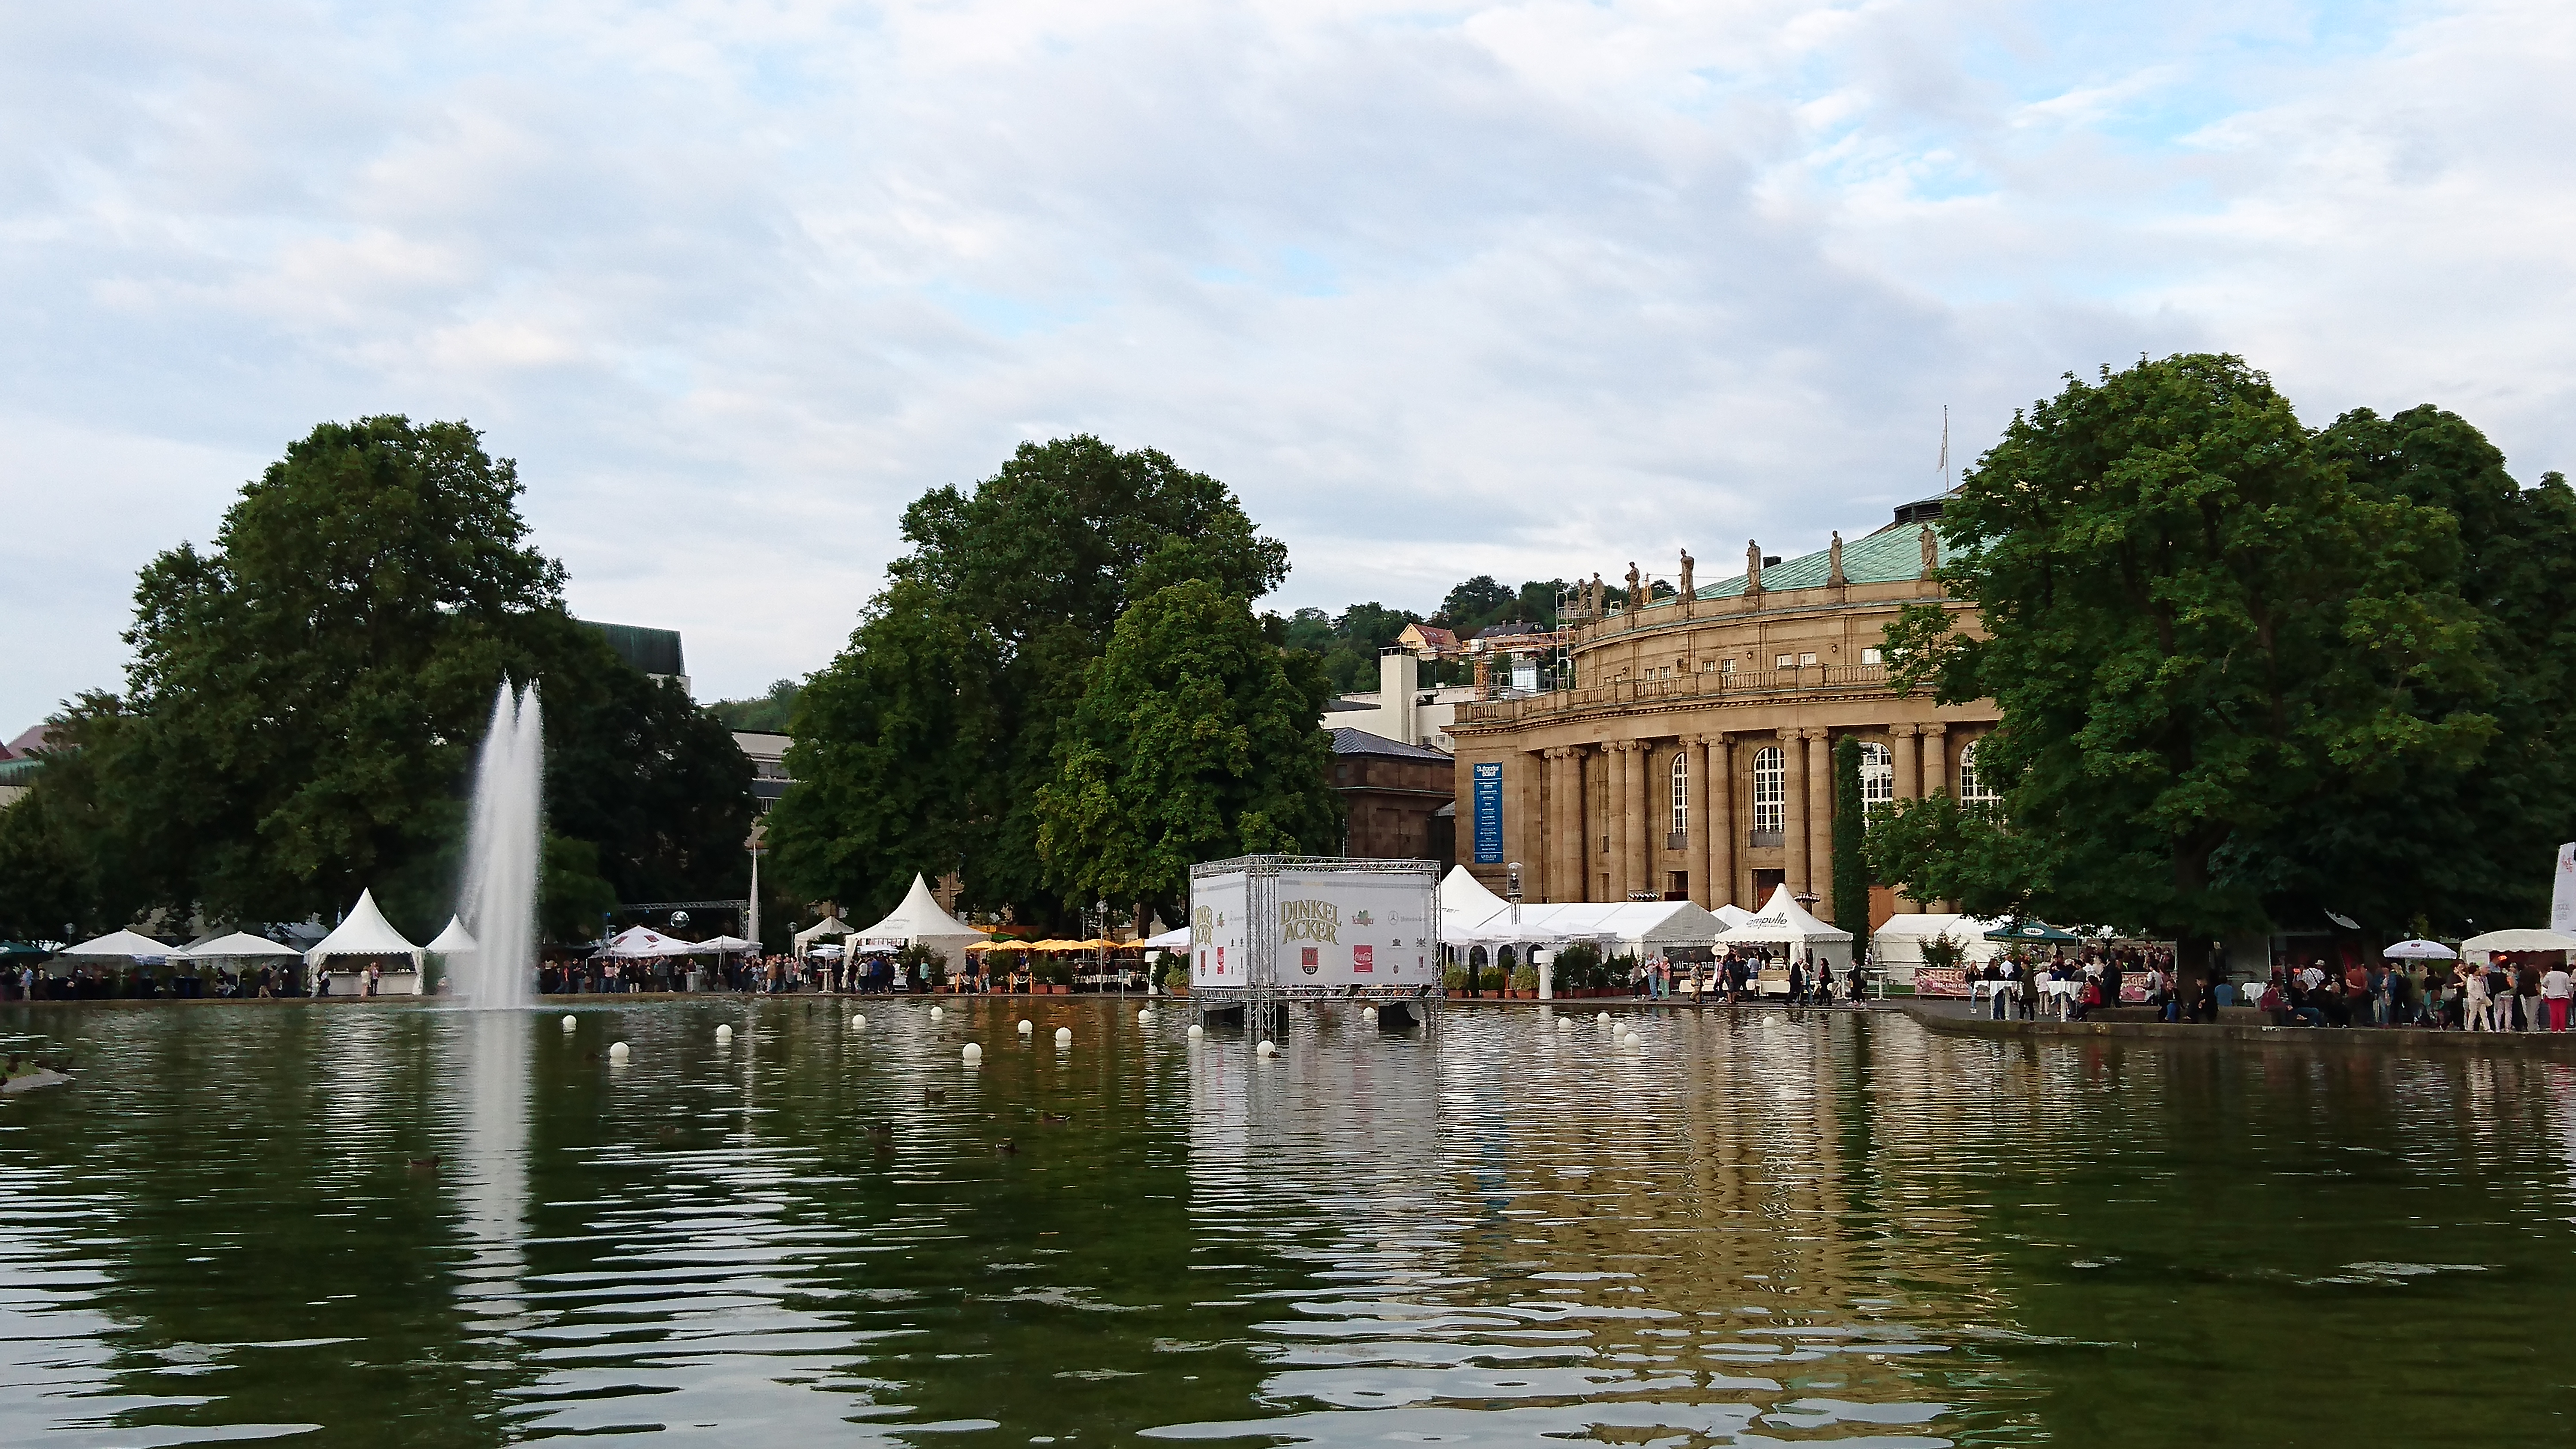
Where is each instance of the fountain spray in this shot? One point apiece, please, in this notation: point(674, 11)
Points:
point(498, 900)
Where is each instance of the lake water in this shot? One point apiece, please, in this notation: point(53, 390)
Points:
point(1751, 1229)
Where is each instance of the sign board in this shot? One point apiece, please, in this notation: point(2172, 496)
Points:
point(1525, 673)
point(1315, 925)
point(1489, 813)
point(1219, 912)
point(2562, 892)
point(1940, 981)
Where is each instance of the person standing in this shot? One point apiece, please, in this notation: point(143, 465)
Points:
point(2481, 1008)
point(2555, 988)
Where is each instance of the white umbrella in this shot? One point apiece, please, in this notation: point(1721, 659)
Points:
point(2420, 951)
point(129, 944)
point(238, 944)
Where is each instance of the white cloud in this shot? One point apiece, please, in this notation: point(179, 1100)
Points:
point(1527, 289)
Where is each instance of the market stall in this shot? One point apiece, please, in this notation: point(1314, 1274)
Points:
point(366, 937)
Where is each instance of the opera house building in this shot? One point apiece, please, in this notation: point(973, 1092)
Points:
point(1693, 756)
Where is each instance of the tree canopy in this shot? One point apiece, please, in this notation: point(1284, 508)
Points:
point(305, 696)
point(1195, 739)
point(924, 744)
point(2205, 636)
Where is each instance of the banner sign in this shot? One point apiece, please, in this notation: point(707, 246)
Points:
point(2562, 892)
point(1489, 813)
point(1940, 981)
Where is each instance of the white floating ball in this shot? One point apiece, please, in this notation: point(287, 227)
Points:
point(1628, 1040)
point(938, 1013)
point(1565, 1023)
point(1605, 1019)
point(724, 1034)
point(1368, 1013)
point(568, 1023)
point(1027, 1026)
point(1064, 1036)
point(859, 1023)
point(973, 1054)
point(617, 1052)
point(1197, 1031)
point(1270, 1048)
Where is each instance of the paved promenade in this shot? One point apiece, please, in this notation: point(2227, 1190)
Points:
point(2240, 1026)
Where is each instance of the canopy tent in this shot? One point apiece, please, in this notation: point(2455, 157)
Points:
point(1731, 916)
point(725, 945)
point(1897, 947)
point(454, 941)
point(2482, 948)
point(2420, 951)
point(920, 922)
point(366, 932)
point(828, 926)
point(1783, 922)
point(1176, 939)
point(1641, 928)
point(639, 942)
point(131, 945)
point(1465, 903)
point(2032, 933)
point(239, 946)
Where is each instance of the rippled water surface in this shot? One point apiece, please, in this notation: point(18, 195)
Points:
point(1746, 1230)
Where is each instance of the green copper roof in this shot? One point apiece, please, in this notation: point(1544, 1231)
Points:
point(1891, 555)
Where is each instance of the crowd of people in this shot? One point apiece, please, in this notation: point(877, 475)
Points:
point(2071, 988)
point(2436, 995)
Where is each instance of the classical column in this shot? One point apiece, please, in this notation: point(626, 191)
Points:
point(1820, 821)
point(1936, 758)
point(1565, 825)
point(1720, 816)
point(1908, 784)
point(1646, 823)
point(1793, 811)
point(1695, 845)
point(1614, 814)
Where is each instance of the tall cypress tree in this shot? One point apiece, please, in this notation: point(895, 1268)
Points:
point(1851, 862)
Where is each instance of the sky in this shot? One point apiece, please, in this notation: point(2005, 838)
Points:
point(1439, 289)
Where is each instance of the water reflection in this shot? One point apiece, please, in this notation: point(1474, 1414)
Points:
point(1752, 1228)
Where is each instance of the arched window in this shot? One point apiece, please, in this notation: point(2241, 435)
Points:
point(1681, 791)
point(1877, 779)
point(1976, 793)
point(1770, 788)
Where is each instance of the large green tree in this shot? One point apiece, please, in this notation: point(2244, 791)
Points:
point(2198, 628)
point(1195, 739)
point(923, 745)
point(299, 718)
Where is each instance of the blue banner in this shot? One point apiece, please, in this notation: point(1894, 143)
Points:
point(1489, 814)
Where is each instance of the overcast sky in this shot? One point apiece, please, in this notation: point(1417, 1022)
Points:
point(1528, 289)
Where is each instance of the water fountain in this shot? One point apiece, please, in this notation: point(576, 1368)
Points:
point(498, 898)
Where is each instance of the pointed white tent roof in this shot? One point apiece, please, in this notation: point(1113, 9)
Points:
point(238, 944)
point(454, 941)
point(1465, 902)
point(828, 926)
point(920, 920)
point(1626, 925)
point(133, 945)
point(1732, 916)
point(637, 941)
point(1782, 921)
point(1175, 939)
point(365, 933)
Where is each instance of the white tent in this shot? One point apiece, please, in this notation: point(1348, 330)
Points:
point(454, 941)
point(366, 932)
point(642, 942)
point(828, 926)
point(130, 945)
point(1465, 904)
point(1783, 922)
point(1641, 928)
point(920, 922)
point(1731, 916)
point(1899, 943)
point(240, 945)
point(725, 943)
point(2482, 948)
point(1176, 939)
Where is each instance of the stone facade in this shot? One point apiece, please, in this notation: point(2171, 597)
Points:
point(1694, 759)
